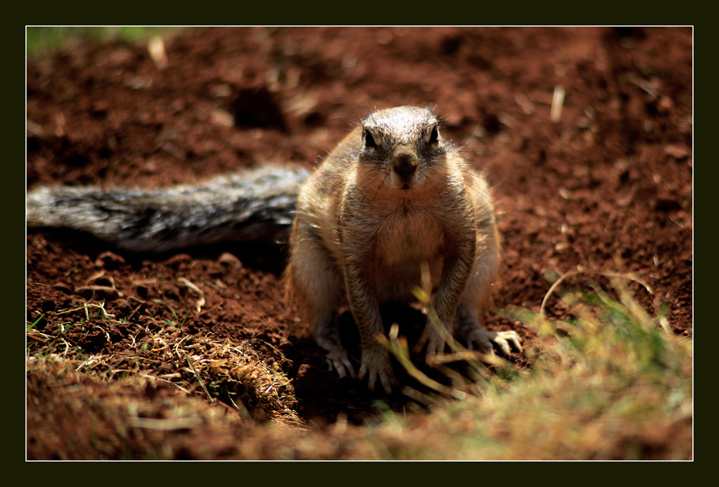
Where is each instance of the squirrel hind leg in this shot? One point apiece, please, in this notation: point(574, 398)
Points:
point(318, 291)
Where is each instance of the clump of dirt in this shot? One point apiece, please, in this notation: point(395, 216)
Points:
point(585, 133)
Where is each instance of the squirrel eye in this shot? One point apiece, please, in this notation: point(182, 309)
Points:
point(369, 140)
point(434, 135)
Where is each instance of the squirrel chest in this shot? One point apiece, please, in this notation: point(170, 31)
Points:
point(407, 238)
point(404, 240)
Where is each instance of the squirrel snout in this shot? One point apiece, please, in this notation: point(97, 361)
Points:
point(405, 165)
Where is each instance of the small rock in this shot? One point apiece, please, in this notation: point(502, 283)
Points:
point(109, 260)
point(665, 104)
point(64, 287)
point(677, 151)
point(98, 292)
point(123, 306)
point(229, 260)
point(177, 260)
point(104, 281)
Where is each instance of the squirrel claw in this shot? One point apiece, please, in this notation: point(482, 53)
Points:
point(482, 339)
point(505, 338)
point(378, 369)
point(338, 361)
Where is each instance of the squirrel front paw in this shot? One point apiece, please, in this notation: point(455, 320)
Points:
point(377, 366)
point(434, 338)
point(339, 361)
point(337, 358)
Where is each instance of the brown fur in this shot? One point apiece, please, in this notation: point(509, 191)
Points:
point(393, 196)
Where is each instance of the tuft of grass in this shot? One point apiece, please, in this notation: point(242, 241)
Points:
point(163, 353)
point(611, 382)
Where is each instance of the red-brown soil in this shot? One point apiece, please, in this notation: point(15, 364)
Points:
point(606, 185)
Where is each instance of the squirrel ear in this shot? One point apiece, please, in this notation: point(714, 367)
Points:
point(368, 139)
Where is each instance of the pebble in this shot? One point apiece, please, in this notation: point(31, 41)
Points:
point(98, 292)
point(109, 260)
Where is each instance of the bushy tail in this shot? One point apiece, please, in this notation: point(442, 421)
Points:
point(254, 205)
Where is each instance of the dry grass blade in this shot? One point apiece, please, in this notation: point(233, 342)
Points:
point(201, 300)
point(398, 347)
point(555, 113)
point(567, 275)
point(199, 379)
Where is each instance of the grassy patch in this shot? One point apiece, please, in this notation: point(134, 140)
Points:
point(610, 382)
point(159, 352)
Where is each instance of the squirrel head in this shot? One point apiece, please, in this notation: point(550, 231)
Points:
point(402, 145)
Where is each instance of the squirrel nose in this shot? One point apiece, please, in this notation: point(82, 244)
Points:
point(405, 165)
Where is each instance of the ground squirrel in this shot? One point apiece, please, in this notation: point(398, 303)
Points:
point(394, 196)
